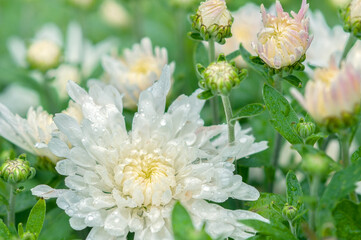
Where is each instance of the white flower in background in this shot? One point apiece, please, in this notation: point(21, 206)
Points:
point(34, 132)
point(62, 58)
point(339, 3)
point(114, 14)
point(136, 70)
point(246, 25)
point(19, 99)
point(283, 40)
point(122, 182)
point(326, 42)
point(332, 97)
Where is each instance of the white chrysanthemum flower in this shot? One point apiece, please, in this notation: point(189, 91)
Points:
point(326, 42)
point(246, 25)
point(333, 96)
point(137, 70)
point(33, 133)
point(77, 58)
point(121, 182)
point(114, 14)
point(283, 40)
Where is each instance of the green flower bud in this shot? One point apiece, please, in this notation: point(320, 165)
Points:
point(15, 171)
point(351, 16)
point(305, 129)
point(213, 20)
point(289, 212)
point(221, 77)
point(315, 164)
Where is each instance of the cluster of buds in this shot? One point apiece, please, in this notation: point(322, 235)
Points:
point(220, 77)
point(333, 97)
point(43, 55)
point(17, 170)
point(213, 20)
point(305, 129)
point(352, 17)
point(283, 40)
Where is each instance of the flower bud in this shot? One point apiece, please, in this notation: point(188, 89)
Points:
point(43, 55)
point(15, 171)
point(220, 77)
point(305, 129)
point(213, 20)
point(332, 98)
point(283, 40)
point(352, 17)
point(114, 14)
point(316, 165)
point(289, 212)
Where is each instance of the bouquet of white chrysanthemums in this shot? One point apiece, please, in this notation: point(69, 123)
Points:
point(224, 142)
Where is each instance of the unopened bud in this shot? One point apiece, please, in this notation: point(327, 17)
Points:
point(15, 171)
point(213, 20)
point(305, 129)
point(315, 164)
point(43, 55)
point(221, 77)
point(289, 211)
point(352, 17)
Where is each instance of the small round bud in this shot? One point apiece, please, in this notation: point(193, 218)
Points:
point(352, 17)
point(15, 171)
point(305, 129)
point(315, 164)
point(213, 20)
point(43, 55)
point(289, 211)
point(221, 77)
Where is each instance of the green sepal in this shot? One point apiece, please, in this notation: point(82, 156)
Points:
point(295, 81)
point(195, 36)
point(205, 95)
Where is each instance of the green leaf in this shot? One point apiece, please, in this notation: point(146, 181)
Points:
point(205, 95)
point(249, 110)
point(4, 231)
point(247, 58)
point(60, 230)
point(36, 218)
point(275, 230)
point(356, 156)
point(311, 140)
point(269, 206)
point(293, 190)
point(200, 55)
point(233, 55)
point(20, 230)
point(342, 183)
point(283, 117)
point(295, 81)
point(183, 228)
point(347, 216)
point(253, 162)
point(195, 36)
point(304, 150)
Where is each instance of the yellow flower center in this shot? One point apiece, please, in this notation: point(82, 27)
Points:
point(326, 75)
point(149, 178)
point(145, 65)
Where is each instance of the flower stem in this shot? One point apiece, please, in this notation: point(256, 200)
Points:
point(293, 229)
point(213, 101)
point(11, 206)
point(315, 182)
point(228, 111)
point(277, 84)
point(350, 42)
point(345, 147)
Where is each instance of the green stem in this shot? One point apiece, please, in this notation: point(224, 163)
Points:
point(277, 84)
point(293, 229)
point(228, 111)
point(345, 148)
point(315, 182)
point(350, 42)
point(213, 101)
point(11, 206)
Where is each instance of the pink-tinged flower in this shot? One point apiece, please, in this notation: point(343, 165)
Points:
point(283, 40)
point(333, 96)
